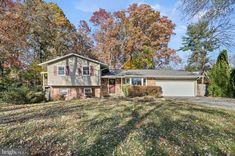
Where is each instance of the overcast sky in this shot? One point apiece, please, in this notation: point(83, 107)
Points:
point(77, 10)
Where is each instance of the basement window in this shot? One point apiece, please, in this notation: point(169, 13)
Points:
point(64, 91)
point(87, 91)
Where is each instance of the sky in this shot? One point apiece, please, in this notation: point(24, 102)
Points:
point(76, 10)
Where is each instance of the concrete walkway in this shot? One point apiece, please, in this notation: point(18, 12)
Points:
point(222, 102)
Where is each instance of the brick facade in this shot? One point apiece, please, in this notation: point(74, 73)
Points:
point(72, 92)
point(103, 90)
point(97, 92)
point(151, 82)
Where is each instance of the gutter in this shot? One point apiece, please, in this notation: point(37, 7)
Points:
point(157, 77)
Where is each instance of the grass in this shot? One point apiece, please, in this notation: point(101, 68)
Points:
point(118, 127)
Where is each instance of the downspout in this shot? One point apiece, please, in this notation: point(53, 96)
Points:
point(43, 82)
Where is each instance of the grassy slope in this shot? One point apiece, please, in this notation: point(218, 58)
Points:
point(118, 127)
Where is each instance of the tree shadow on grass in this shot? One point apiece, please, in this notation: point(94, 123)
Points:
point(211, 111)
point(112, 137)
point(14, 107)
point(184, 135)
point(4, 110)
point(42, 114)
point(185, 106)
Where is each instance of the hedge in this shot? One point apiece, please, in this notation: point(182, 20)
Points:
point(22, 95)
point(135, 91)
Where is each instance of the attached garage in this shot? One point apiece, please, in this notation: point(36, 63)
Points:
point(173, 82)
point(177, 87)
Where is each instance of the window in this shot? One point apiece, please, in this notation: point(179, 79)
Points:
point(63, 91)
point(87, 91)
point(127, 81)
point(86, 71)
point(136, 81)
point(61, 70)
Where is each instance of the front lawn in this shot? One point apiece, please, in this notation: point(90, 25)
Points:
point(118, 127)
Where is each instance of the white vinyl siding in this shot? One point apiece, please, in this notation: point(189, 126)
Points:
point(177, 87)
point(75, 76)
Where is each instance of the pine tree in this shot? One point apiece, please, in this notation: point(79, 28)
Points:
point(232, 82)
point(220, 77)
point(199, 41)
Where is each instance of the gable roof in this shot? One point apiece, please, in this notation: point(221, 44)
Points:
point(69, 55)
point(173, 74)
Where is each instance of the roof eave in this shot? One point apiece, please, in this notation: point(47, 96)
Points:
point(157, 77)
point(177, 77)
point(68, 55)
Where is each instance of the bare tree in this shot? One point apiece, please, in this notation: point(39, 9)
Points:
point(218, 13)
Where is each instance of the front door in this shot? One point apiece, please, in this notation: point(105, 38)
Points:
point(111, 86)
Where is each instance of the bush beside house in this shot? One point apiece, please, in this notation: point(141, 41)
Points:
point(125, 89)
point(221, 77)
point(135, 91)
point(22, 95)
point(232, 82)
point(21, 85)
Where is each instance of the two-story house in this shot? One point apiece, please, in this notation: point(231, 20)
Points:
point(76, 76)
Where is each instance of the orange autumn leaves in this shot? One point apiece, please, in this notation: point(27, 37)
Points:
point(137, 37)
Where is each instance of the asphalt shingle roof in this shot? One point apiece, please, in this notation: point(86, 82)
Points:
point(152, 73)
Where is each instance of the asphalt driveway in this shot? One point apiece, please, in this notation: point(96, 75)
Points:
point(222, 102)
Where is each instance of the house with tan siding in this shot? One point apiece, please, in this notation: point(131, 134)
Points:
point(75, 76)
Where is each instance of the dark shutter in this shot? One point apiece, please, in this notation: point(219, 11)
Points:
point(79, 71)
point(67, 70)
point(55, 70)
point(92, 71)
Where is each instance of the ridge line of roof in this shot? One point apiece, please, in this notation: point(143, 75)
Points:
point(70, 54)
point(153, 70)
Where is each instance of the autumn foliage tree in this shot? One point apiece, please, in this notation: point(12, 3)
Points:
point(137, 37)
point(12, 34)
point(50, 32)
point(33, 31)
point(83, 41)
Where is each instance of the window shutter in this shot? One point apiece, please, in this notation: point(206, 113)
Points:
point(79, 71)
point(67, 70)
point(91, 70)
point(55, 70)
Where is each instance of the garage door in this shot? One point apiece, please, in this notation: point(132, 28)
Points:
point(177, 87)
